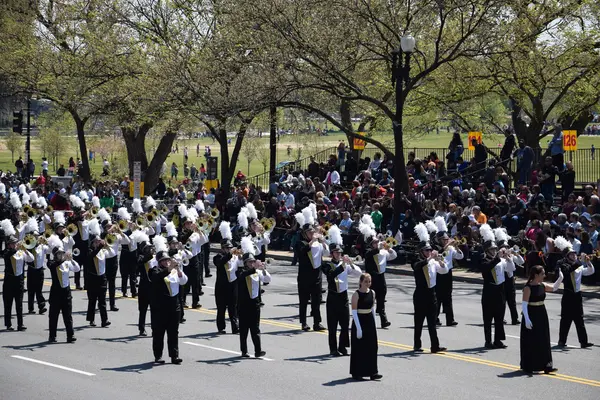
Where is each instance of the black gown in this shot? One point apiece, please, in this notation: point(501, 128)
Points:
point(535, 342)
point(363, 359)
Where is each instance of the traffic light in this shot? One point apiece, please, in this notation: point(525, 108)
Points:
point(18, 121)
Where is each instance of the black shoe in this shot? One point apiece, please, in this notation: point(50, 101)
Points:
point(335, 353)
point(201, 293)
point(385, 324)
point(10, 328)
point(43, 311)
point(72, 339)
point(438, 322)
point(438, 349)
point(113, 308)
point(203, 284)
point(516, 322)
point(586, 345)
point(343, 352)
point(262, 291)
point(134, 295)
point(488, 345)
point(527, 371)
point(235, 331)
point(318, 328)
point(222, 332)
point(357, 378)
point(92, 323)
point(245, 355)
point(260, 354)
point(182, 320)
point(376, 377)
point(550, 370)
point(125, 295)
point(562, 344)
point(105, 324)
point(31, 312)
point(261, 304)
point(208, 275)
point(52, 340)
point(305, 328)
point(504, 322)
point(453, 323)
point(196, 306)
point(22, 328)
point(176, 360)
point(79, 288)
point(499, 345)
point(417, 349)
point(159, 360)
point(143, 333)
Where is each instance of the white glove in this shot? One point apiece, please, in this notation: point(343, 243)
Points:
point(357, 324)
point(358, 333)
point(528, 323)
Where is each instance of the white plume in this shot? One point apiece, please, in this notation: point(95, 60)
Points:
point(486, 233)
point(59, 217)
point(76, 202)
point(366, 219)
point(562, 243)
point(94, 227)
point(251, 211)
point(242, 218)
point(199, 206)
point(33, 197)
point(313, 210)
point(422, 233)
point(183, 211)
point(2, 189)
point(160, 243)
point(193, 214)
point(431, 227)
point(103, 215)
point(309, 216)
point(335, 235)
point(366, 230)
point(22, 189)
point(170, 229)
point(31, 225)
point(225, 229)
point(96, 201)
point(25, 198)
point(54, 242)
point(136, 206)
point(42, 202)
point(15, 201)
point(300, 218)
point(7, 227)
point(139, 236)
point(248, 245)
point(124, 214)
point(150, 202)
point(83, 195)
point(501, 235)
point(440, 223)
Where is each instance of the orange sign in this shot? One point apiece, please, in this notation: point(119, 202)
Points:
point(476, 136)
point(569, 140)
point(359, 144)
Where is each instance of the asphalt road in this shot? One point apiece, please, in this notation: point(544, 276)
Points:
point(115, 363)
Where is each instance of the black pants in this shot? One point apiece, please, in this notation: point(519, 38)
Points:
point(112, 267)
point(143, 304)
point(35, 283)
point(61, 301)
point(379, 285)
point(443, 294)
point(12, 290)
point(492, 304)
point(204, 258)
point(127, 267)
point(165, 321)
point(313, 292)
point(226, 297)
point(338, 313)
point(81, 260)
point(511, 293)
point(571, 310)
point(96, 291)
point(192, 270)
point(425, 304)
point(250, 321)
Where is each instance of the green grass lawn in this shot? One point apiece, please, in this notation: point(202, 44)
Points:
point(307, 144)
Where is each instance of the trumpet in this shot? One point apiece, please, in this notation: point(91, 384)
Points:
point(72, 229)
point(356, 259)
point(29, 242)
point(214, 213)
point(123, 225)
point(515, 249)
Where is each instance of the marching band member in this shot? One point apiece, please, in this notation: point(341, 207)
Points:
point(112, 265)
point(426, 271)
point(251, 274)
point(493, 296)
point(145, 262)
point(175, 252)
point(81, 238)
point(96, 289)
point(226, 286)
point(571, 305)
point(204, 257)
point(15, 257)
point(376, 258)
point(443, 287)
point(338, 271)
point(35, 277)
point(167, 280)
point(511, 259)
point(194, 240)
point(128, 257)
point(60, 265)
point(311, 250)
point(363, 359)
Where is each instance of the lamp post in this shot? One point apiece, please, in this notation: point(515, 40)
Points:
point(401, 81)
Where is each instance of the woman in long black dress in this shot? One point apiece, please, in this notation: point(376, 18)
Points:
point(363, 359)
point(535, 330)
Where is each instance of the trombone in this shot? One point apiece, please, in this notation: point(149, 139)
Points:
point(29, 242)
point(141, 221)
point(110, 240)
point(123, 225)
point(72, 229)
point(214, 213)
point(164, 209)
point(94, 211)
point(49, 209)
point(150, 217)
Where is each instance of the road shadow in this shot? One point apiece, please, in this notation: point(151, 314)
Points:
point(406, 355)
point(206, 335)
point(477, 325)
point(288, 318)
point(228, 361)
point(137, 368)
point(343, 381)
point(288, 333)
point(295, 305)
point(30, 347)
point(318, 359)
point(123, 339)
point(471, 350)
point(515, 374)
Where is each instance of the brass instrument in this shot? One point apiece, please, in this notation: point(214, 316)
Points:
point(391, 241)
point(155, 212)
point(356, 259)
point(141, 221)
point(49, 209)
point(237, 252)
point(94, 211)
point(72, 229)
point(47, 233)
point(31, 212)
point(176, 220)
point(26, 208)
point(76, 252)
point(29, 242)
point(150, 217)
point(211, 222)
point(123, 225)
point(110, 239)
point(269, 261)
point(214, 213)
point(164, 209)
point(326, 226)
point(595, 254)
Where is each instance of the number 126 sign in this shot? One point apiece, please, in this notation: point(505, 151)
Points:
point(476, 136)
point(570, 140)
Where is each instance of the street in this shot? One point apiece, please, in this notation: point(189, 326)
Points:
point(115, 362)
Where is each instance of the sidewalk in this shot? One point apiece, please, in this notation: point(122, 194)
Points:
point(458, 274)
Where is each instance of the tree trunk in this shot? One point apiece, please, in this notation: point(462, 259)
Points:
point(578, 123)
point(346, 119)
point(272, 141)
point(135, 143)
point(85, 170)
point(163, 150)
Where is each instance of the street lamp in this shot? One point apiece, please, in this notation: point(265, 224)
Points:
point(401, 80)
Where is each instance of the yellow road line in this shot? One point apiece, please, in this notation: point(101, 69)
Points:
point(447, 354)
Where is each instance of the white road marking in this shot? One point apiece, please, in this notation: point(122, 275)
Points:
point(223, 350)
point(552, 343)
point(54, 365)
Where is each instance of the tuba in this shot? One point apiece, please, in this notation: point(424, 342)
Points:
point(29, 242)
point(72, 229)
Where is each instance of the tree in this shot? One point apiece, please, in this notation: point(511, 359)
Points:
point(14, 143)
point(250, 150)
point(263, 155)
